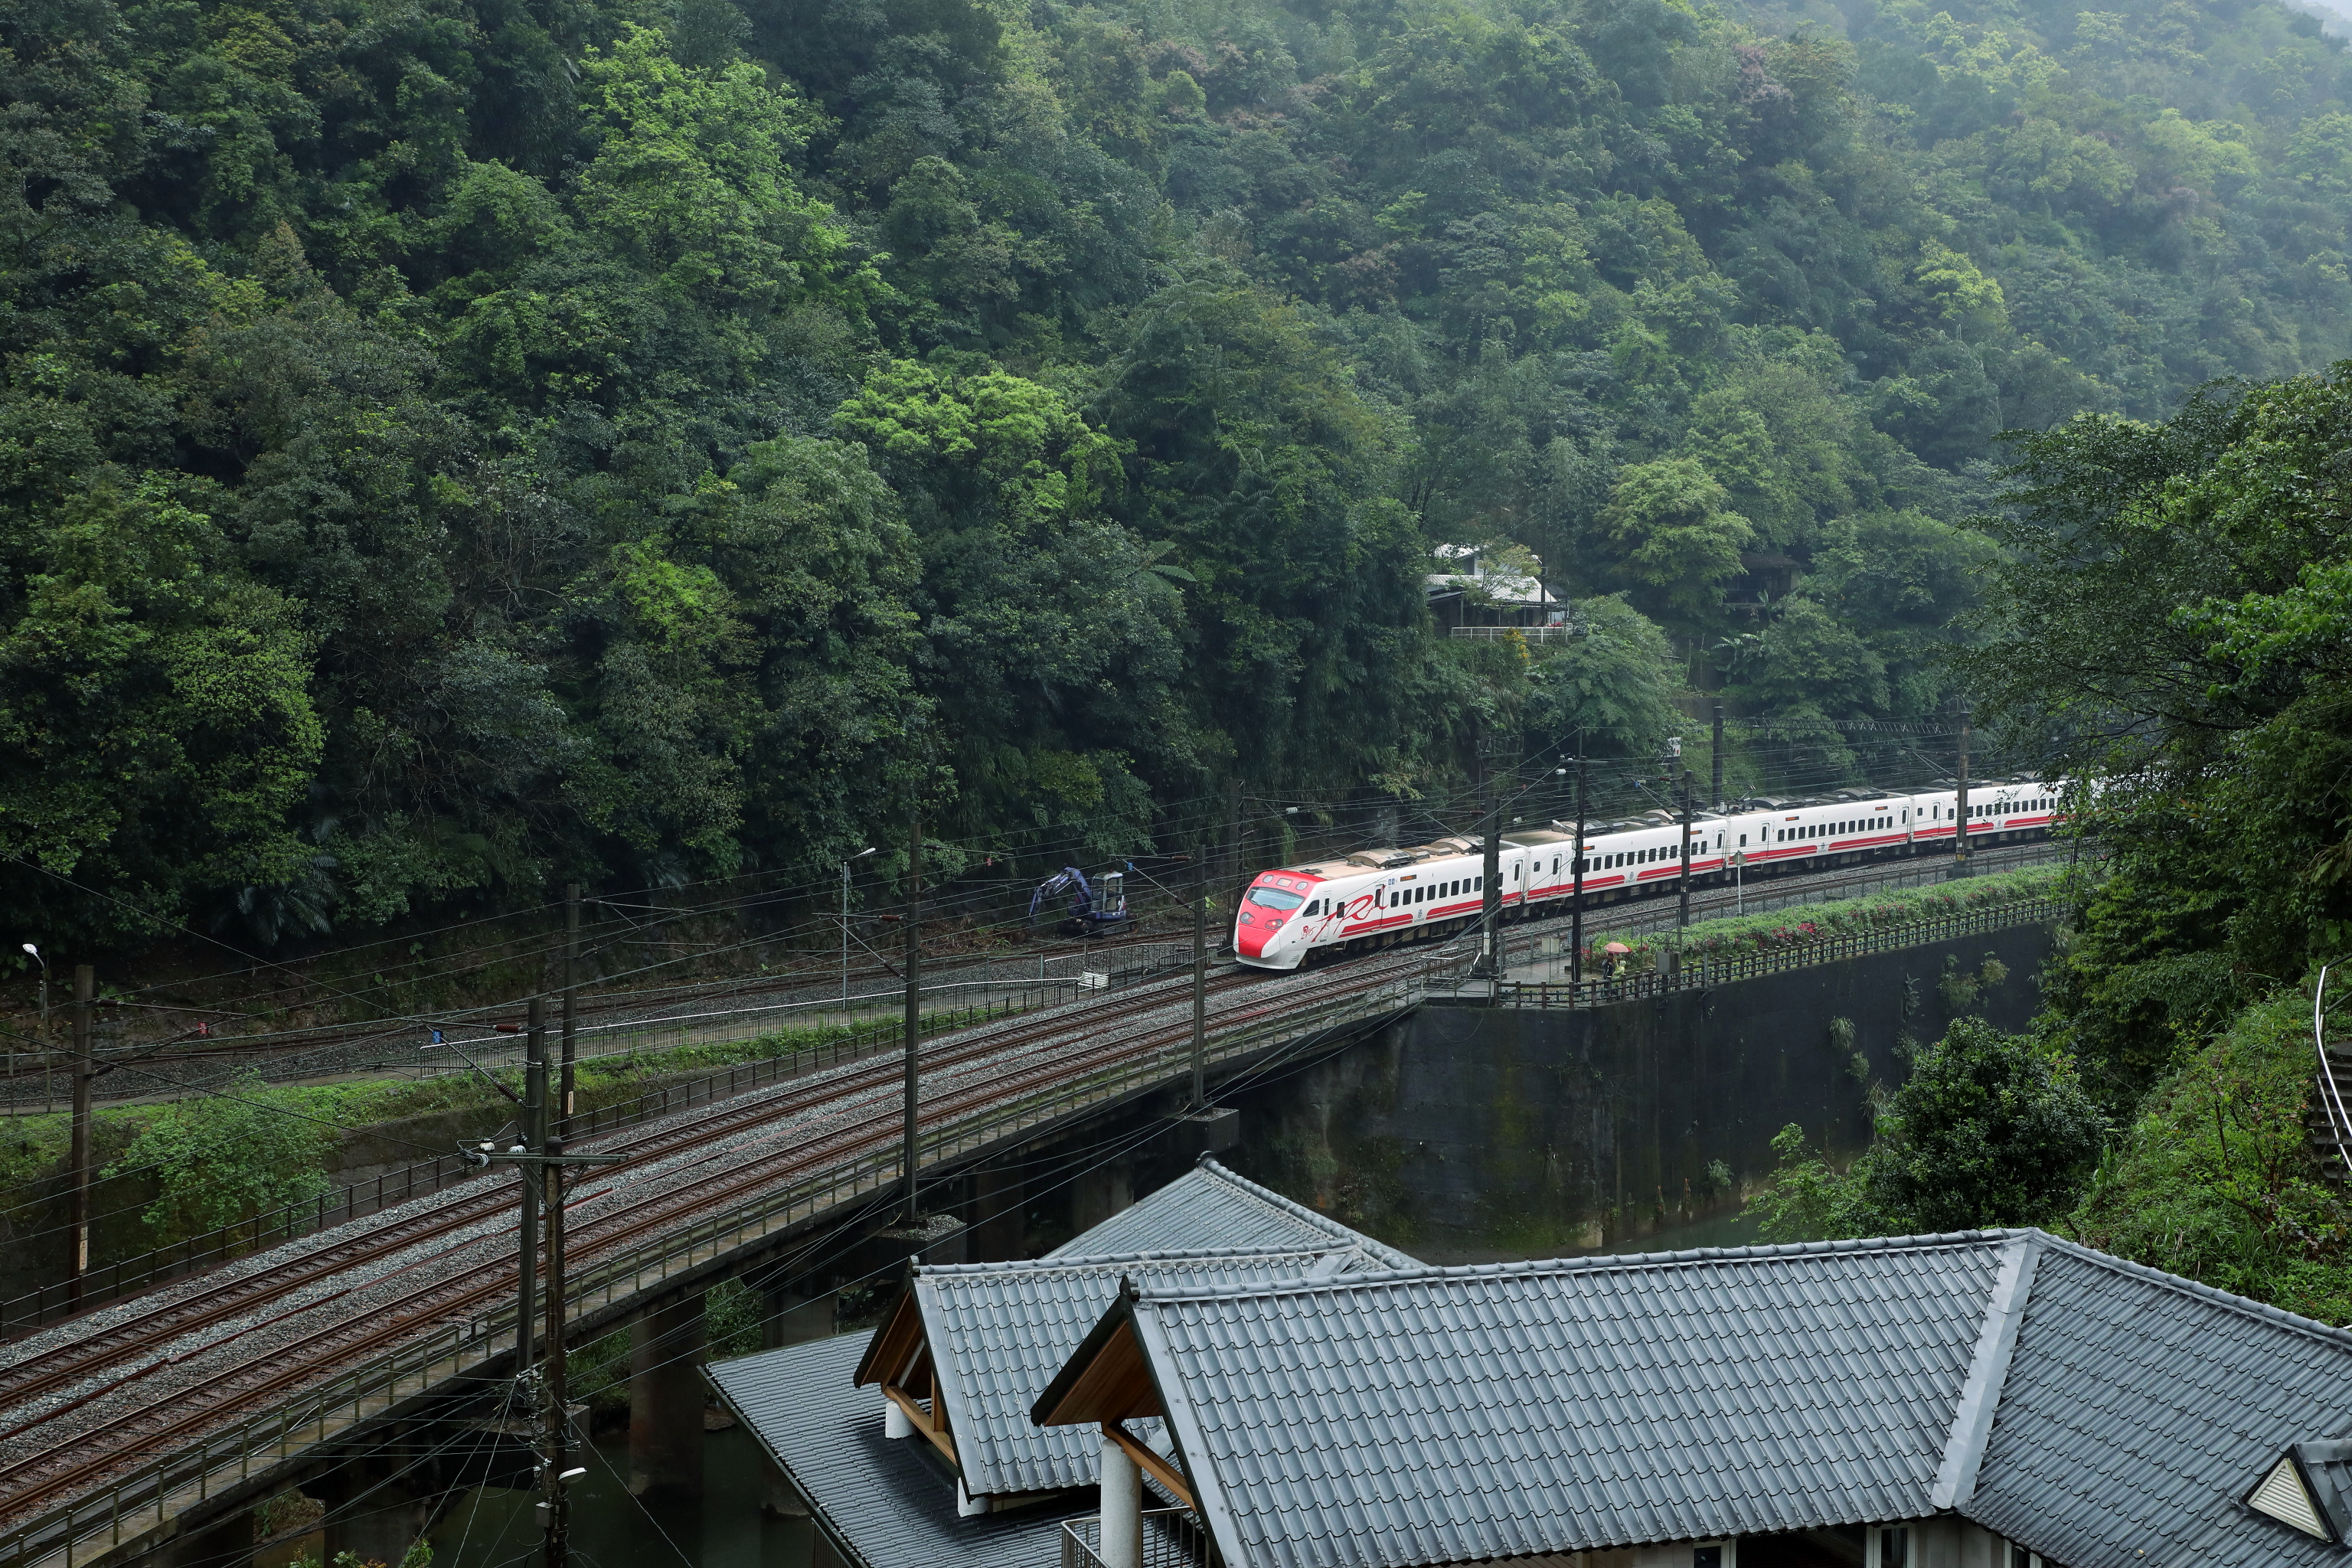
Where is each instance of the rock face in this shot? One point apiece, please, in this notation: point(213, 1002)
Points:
point(1469, 1133)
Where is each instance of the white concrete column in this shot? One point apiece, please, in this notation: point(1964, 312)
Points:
point(895, 1423)
point(1122, 1508)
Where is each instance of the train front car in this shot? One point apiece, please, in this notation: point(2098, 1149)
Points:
point(1272, 929)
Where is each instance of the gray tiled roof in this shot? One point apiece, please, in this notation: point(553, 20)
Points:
point(1546, 1407)
point(2098, 1413)
point(1210, 1207)
point(884, 1504)
point(2140, 1408)
point(999, 1331)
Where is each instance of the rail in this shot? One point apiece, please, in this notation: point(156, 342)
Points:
point(153, 1491)
point(1719, 970)
point(54, 1301)
point(1172, 1538)
point(657, 1018)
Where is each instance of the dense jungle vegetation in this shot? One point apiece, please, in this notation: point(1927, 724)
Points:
point(449, 446)
point(2176, 598)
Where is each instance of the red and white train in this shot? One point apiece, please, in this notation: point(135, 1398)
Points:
point(1376, 897)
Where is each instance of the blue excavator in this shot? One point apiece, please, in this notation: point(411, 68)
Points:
point(1096, 908)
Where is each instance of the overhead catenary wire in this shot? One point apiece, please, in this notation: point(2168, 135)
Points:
point(1203, 824)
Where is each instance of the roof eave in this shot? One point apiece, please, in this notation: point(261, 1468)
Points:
point(1049, 1408)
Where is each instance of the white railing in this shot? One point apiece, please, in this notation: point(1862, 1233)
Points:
point(2331, 1092)
point(1525, 634)
point(1172, 1538)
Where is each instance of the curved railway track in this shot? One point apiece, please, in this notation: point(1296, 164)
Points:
point(75, 1409)
point(87, 1399)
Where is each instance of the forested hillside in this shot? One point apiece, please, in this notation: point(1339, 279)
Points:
point(454, 446)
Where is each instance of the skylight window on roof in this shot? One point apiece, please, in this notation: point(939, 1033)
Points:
point(2283, 1496)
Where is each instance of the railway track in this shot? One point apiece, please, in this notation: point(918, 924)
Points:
point(86, 1401)
point(78, 1407)
point(599, 1011)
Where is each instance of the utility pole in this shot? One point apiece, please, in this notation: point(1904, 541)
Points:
point(539, 1158)
point(911, 1032)
point(1717, 752)
point(570, 1003)
point(530, 1140)
point(1576, 903)
point(1201, 982)
point(1238, 877)
point(78, 1212)
point(1961, 824)
point(1490, 903)
point(556, 1471)
point(1682, 895)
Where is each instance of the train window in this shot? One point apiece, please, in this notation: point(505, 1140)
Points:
point(1478, 884)
point(1274, 899)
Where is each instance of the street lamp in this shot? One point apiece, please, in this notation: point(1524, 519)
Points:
point(45, 979)
point(861, 855)
point(48, 1092)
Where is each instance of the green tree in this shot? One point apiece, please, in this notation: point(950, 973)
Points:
point(1614, 687)
point(224, 1159)
point(156, 722)
point(1676, 534)
point(1988, 1129)
point(2216, 1177)
point(2168, 602)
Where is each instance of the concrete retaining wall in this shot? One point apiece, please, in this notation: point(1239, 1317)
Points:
point(1470, 1133)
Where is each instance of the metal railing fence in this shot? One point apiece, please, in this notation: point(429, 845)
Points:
point(651, 1019)
point(160, 1486)
point(1172, 1538)
point(1525, 634)
point(438, 1356)
point(1721, 969)
point(128, 1276)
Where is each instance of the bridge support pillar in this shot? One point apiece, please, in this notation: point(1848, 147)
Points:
point(999, 1229)
point(665, 1400)
point(373, 1511)
point(792, 1318)
point(778, 1499)
point(222, 1543)
point(1099, 1193)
